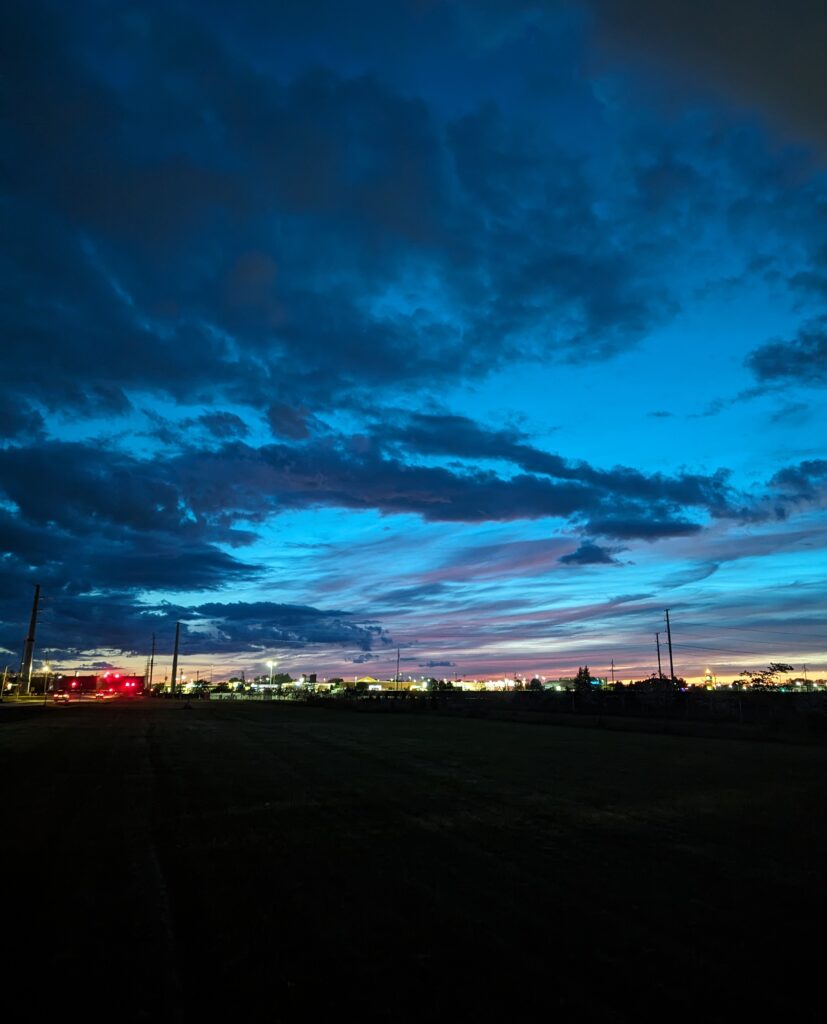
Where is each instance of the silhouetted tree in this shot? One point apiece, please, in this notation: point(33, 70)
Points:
point(766, 677)
point(583, 680)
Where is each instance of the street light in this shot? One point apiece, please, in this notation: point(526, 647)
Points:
point(270, 665)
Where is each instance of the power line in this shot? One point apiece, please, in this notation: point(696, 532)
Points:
point(756, 629)
point(719, 650)
point(769, 645)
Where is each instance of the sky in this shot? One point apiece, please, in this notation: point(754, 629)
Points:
point(481, 331)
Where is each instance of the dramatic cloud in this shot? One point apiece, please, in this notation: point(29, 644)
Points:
point(801, 481)
point(589, 554)
point(389, 259)
point(651, 526)
point(223, 425)
point(802, 359)
point(19, 421)
point(288, 422)
point(459, 436)
point(756, 51)
point(354, 476)
point(116, 622)
point(257, 624)
point(291, 303)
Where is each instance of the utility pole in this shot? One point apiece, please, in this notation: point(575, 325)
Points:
point(151, 664)
point(397, 668)
point(669, 639)
point(175, 657)
point(28, 649)
point(657, 641)
point(613, 671)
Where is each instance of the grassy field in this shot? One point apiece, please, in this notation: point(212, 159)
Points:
point(276, 862)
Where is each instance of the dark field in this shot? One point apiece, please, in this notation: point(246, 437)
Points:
point(267, 862)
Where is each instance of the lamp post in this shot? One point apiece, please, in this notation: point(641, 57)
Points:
point(270, 665)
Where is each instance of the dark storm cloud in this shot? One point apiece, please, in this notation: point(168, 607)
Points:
point(19, 420)
point(567, 281)
point(92, 527)
point(287, 421)
point(172, 255)
point(88, 591)
point(758, 52)
point(459, 436)
point(589, 554)
point(173, 432)
point(223, 425)
point(257, 623)
point(268, 209)
point(86, 487)
point(107, 523)
point(116, 622)
point(262, 480)
point(802, 481)
point(86, 560)
point(209, 229)
point(354, 475)
point(799, 360)
point(649, 524)
point(199, 494)
point(109, 526)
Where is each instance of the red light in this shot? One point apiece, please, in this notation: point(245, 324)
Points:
point(117, 675)
point(74, 682)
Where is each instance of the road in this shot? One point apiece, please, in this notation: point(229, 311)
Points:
point(276, 861)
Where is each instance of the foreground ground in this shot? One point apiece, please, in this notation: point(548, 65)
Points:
point(275, 862)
